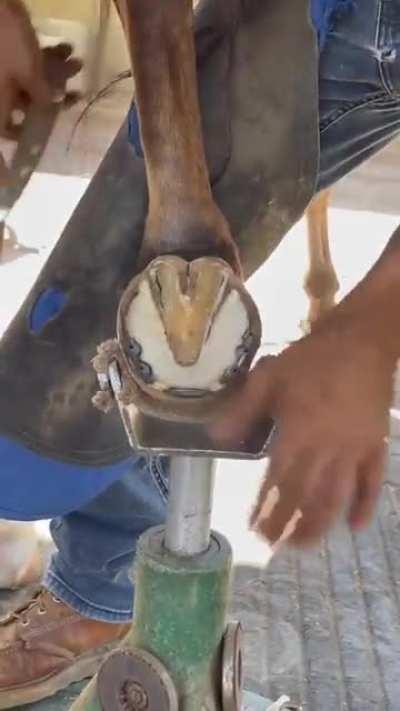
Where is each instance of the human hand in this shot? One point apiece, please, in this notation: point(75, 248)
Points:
point(329, 395)
point(28, 75)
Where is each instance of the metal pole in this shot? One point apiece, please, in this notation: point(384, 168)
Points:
point(191, 485)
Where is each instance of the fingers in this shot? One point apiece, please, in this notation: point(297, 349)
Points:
point(326, 502)
point(4, 174)
point(63, 51)
point(369, 484)
point(48, 80)
point(37, 88)
point(40, 92)
point(292, 481)
point(58, 64)
point(59, 67)
point(305, 495)
point(72, 67)
point(7, 94)
point(249, 408)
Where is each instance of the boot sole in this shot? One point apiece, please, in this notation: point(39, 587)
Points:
point(84, 668)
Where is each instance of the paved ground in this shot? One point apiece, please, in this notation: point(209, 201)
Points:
point(322, 626)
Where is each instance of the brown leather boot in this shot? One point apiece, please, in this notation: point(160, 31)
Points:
point(45, 646)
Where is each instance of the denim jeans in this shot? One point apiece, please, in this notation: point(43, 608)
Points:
point(92, 567)
point(359, 114)
point(359, 87)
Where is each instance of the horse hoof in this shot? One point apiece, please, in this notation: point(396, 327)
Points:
point(187, 331)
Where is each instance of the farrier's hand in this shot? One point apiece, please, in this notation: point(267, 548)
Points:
point(27, 74)
point(329, 395)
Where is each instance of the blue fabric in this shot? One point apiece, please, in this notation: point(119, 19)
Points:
point(324, 13)
point(359, 88)
point(48, 305)
point(35, 487)
point(47, 487)
point(95, 546)
point(134, 131)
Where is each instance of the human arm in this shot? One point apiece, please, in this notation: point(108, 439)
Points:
point(329, 395)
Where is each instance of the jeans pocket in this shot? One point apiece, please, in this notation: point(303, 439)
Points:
point(389, 45)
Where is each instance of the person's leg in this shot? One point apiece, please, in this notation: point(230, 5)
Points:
point(359, 87)
point(95, 546)
point(85, 605)
point(359, 81)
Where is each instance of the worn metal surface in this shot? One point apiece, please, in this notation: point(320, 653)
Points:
point(180, 608)
point(134, 680)
point(191, 485)
point(146, 433)
point(232, 668)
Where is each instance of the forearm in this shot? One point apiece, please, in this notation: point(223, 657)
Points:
point(372, 309)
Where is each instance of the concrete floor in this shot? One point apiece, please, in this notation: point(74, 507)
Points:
point(307, 616)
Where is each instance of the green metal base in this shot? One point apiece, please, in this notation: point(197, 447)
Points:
point(180, 618)
point(180, 613)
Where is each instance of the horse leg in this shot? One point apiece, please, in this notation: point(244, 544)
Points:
point(182, 216)
point(321, 283)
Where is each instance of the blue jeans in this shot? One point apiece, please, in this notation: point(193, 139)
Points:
point(359, 114)
point(92, 567)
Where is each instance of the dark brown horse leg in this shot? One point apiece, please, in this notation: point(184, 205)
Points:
point(182, 217)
